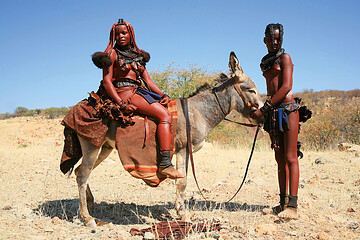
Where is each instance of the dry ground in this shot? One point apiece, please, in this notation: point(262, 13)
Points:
point(38, 202)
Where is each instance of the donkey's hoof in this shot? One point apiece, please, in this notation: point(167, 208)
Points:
point(90, 223)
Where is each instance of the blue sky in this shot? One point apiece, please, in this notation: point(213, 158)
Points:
point(47, 45)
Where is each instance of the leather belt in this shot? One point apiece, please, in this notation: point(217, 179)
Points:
point(126, 83)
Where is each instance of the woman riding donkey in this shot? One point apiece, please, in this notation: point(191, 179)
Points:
point(123, 65)
point(281, 112)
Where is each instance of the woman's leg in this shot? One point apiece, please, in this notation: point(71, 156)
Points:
point(290, 147)
point(163, 117)
point(290, 138)
point(282, 166)
point(283, 175)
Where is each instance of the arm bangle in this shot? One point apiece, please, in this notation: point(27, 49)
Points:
point(122, 105)
point(164, 96)
point(267, 106)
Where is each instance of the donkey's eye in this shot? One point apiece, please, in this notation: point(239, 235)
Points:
point(252, 91)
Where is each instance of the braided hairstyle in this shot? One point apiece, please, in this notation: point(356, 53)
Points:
point(270, 30)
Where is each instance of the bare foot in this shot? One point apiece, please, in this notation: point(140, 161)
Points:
point(171, 172)
point(289, 213)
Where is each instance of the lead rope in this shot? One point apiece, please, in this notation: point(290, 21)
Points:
point(248, 164)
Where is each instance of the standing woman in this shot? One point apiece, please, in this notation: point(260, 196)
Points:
point(123, 65)
point(282, 119)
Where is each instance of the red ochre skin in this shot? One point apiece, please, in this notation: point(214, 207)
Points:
point(279, 80)
point(136, 103)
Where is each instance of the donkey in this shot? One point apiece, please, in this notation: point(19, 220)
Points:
point(207, 108)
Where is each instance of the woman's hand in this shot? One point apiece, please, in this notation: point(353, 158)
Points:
point(165, 100)
point(256, 114)
point(129, 109)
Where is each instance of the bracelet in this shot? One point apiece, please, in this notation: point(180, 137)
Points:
point(122, 105)
point(267, 106)
point(164, 96)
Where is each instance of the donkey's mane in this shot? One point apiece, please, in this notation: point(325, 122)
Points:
point(206, 86)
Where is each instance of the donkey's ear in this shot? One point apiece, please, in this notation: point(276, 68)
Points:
point(234, 65)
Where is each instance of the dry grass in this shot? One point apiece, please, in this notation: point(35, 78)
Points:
point(38, 202)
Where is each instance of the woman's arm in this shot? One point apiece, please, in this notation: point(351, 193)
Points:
point(151, 84)
point(286, 77)
point(155, 88)
point(107, 80)
point(110, 89)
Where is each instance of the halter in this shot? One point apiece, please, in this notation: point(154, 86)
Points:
point(247, 103)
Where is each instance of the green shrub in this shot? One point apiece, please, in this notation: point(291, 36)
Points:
point(333, 125)
point(21, 111)
point(53, 112)
point(181, 82)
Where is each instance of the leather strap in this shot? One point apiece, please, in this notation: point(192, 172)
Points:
point(146, 125)
point(247, 103)
point(217, 100)
point(184, 104)
point(243, 124)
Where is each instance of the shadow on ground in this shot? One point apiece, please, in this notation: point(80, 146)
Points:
point(130, 214)
point(225, 206)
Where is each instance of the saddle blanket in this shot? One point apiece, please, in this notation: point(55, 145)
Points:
point(137, 148)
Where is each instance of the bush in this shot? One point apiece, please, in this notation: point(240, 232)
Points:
point(53, 112)
point(181, 82)
point(333, 125)
point(7, 115)
point(21, 111)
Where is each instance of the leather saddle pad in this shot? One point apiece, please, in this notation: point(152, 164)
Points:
point(138, 149)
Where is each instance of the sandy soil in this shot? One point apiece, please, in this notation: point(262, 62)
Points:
point(38, 202)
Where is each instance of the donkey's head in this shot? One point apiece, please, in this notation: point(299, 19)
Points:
point(247, 96)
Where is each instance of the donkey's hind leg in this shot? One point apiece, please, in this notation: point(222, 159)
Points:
point(90, 153)
point(106, 149)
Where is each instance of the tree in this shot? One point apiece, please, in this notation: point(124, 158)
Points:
point(21, 111)
point(181, 82)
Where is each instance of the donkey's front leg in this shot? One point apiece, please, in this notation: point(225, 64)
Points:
point(181, 184)
point(89, 195)
point(90, 153)
point(106, 149)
